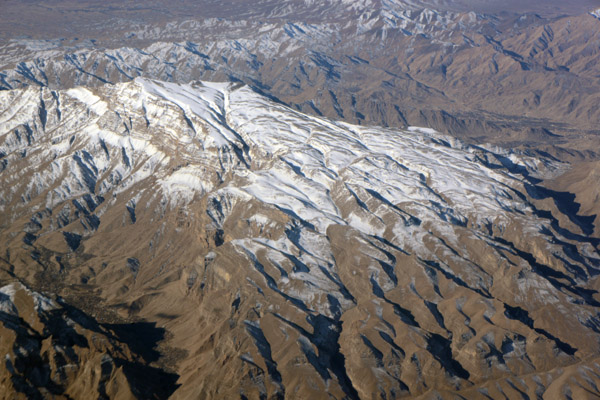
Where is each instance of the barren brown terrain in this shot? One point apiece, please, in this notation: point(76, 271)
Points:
point(293, 231)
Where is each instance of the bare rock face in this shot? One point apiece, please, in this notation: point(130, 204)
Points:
point(291, 256)
point(581, 183)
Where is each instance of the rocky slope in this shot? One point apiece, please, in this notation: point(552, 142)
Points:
point(292, 256)
point(52, 350)
point(581, 182)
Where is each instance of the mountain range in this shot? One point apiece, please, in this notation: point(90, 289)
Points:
point(288, 255)
point(339, 199)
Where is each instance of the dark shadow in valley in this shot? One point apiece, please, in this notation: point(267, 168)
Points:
point(554, 277)
point(566, 204)
point(564, 201)
point(148, 382)
point(329, 359)
point(264, 349)
point(519, 314)
point(142, 338)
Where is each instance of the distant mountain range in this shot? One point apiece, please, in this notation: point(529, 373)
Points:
point(517, 79)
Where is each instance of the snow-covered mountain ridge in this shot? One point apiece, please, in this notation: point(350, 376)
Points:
point(353, 258)
point(388, 63)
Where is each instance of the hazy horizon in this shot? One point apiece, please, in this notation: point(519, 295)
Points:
point(67, 18)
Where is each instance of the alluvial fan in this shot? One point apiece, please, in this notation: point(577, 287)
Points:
point(286, 255)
